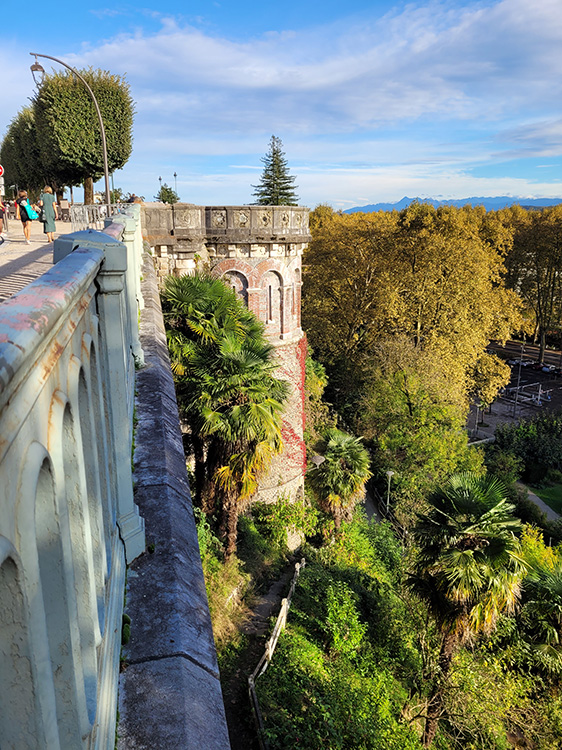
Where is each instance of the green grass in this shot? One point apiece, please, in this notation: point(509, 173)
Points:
point(552, 496)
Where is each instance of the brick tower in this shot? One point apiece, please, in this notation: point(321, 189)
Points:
point(258, 251)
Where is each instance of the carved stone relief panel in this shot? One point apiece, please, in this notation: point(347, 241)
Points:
point(264, 218)
point(218, 219)
point(242, 219)
point(187, 218)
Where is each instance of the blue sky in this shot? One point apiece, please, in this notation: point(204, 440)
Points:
point(372, 100)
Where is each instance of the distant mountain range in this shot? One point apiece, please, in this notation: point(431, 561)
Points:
point(490, 204)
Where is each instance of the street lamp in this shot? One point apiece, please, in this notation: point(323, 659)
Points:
point(38, 68)
point(389, 474)
point(518, 381)
point(176, 183)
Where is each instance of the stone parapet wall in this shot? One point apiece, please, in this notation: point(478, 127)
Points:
point(170, 693)
point(182, 234)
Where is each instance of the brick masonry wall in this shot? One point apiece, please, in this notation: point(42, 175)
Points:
point(286, 475)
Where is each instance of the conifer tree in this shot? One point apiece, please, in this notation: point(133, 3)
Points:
point(276, 186)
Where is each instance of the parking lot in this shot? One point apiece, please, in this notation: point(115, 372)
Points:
point(538, 391)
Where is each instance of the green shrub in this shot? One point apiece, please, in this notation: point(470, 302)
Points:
point(275, 520)
point(342, 619)
point(311, 701)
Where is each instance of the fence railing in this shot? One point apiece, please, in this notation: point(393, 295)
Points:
point(68, 523)
point(93, 216)
point(265, 660)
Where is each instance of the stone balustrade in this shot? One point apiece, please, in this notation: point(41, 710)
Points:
point(68, 523)
point(72, 372)
point(181, 234)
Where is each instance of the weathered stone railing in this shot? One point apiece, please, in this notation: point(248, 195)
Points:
point(69, 349)
point(68, 520)
point(94, 216)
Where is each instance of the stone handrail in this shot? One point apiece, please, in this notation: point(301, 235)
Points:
point(68, 520)
point(265, 660)
point(94, 216)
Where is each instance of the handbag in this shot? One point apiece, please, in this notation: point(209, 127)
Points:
point(31, 212)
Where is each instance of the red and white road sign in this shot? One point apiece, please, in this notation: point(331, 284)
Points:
point(1, 170)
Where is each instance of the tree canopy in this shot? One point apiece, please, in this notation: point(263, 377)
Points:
point(276, 186)
point(534, 265)
point(227, 392)
point(57, 140)
point(167, 195)
point(400, 307)
point(20, 153)
point(468, 568)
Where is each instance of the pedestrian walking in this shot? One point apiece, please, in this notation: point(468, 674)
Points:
point(25, 213)
point(49, 212)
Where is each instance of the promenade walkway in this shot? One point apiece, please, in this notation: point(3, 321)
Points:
point(20, 263)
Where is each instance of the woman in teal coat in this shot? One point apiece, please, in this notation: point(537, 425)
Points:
point(49, 214)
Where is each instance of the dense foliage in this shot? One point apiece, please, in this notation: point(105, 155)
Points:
point(227, 392)
point(167, 195)
point(20, 155)
point(361, 655)
point(57, 140)
point(339, 481)
point(535, 443)
point(534, 268)
point(468, 569)
point(399, 308)
point(276, 186)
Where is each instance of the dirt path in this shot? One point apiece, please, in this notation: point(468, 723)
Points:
point(235, 688)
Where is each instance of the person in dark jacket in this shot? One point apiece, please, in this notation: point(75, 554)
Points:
point(22, 202)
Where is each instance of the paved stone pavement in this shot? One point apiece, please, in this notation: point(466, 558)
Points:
point(20, 263)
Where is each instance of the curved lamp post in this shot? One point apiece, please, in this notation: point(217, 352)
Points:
point(40, 70)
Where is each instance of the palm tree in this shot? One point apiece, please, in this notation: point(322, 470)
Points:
point(224, 372)
point(339, 481)
point(542, 615)
point(468, 569)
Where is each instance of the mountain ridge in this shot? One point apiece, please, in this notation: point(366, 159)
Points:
point(491, 203)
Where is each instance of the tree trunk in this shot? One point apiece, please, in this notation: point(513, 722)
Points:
point(200, 472)
point(88, 191)
point(542, 345)
point(449, 646)
point(229, 522)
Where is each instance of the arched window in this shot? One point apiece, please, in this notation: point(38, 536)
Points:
point(239, 284)
point(272, 287)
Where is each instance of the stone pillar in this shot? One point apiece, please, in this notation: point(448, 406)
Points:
point(117, 365)
point(130, 227)
point(254, 298)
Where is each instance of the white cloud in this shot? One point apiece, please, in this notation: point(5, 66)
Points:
point(363, 106)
